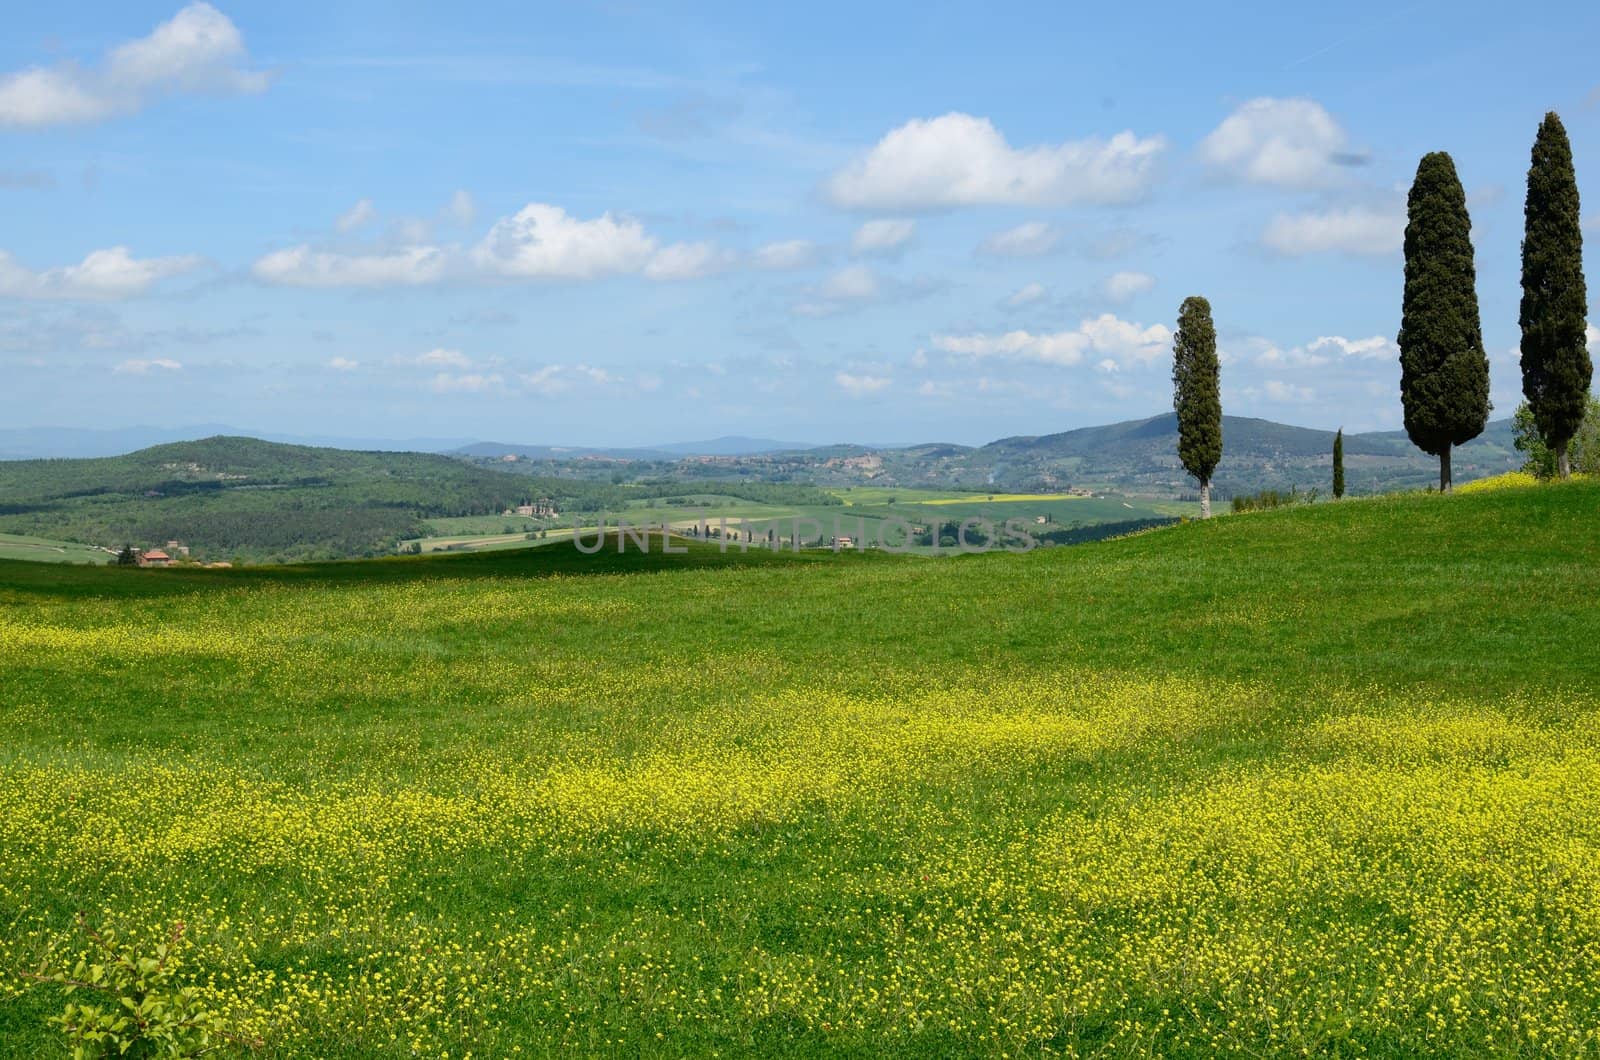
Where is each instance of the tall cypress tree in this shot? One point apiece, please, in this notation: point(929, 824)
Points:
point(1197, 395)
point(1556, 369)
point(1444, 373)
point(1338, 464)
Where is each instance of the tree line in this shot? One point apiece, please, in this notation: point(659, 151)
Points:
point(1444, 371)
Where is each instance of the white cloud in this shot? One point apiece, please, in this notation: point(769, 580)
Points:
point(540, 241)
point(790, 254)
point(1119, 340)
point(1027, 294)
point(688, 261)
point(465, 383)
point(199, 50)
point(961, 160)
point(145, 367)
point(1031, 239)
point(440, 358)
point(543, 241)
point(360, 214)
point(103, 275)
point(1123, 286)
point(1593, 335)
point(1354, 230)
point(302, 266)
point(344, 364)
point(861, 385)
point(1291, 143)
point(1375, 348)
point(883, 236)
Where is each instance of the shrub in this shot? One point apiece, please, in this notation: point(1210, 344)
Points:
point(1273, 498)
point(134, 1007)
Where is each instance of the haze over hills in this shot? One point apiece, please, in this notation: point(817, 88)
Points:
point(47, 443)
point(1133, 456)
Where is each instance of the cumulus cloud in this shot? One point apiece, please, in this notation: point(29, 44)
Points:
point(343, 364)
point(860, 385)
point(688, 261)
point(961, 160)
point(1375, 348)
point(1292, 143)
point(1124, 286)
point(789, 254)
point(103, 275)
point(542, 241)
point(1031, 239)
point(1352, 230)
point(539, 242)
point(145, 367)
point(303, 266)
point(199, 50)
point(883, 236)
point(1120, 341)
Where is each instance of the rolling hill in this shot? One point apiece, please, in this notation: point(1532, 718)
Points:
point(1288, 783)
point(246, 498)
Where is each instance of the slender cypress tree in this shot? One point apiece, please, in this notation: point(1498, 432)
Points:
point(1197, 395)
point(1338, 464)
point(1556, 369)
point(1444, 373)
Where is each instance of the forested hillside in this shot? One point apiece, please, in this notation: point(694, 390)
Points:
point(240, 498)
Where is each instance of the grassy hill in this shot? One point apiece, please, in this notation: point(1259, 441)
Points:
point(244, 498)
point(1324, 779)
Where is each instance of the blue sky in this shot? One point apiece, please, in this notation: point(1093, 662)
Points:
point(614, 224)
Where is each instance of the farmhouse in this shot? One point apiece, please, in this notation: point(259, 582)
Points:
point(154, 558)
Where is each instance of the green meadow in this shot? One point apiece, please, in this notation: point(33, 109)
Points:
point(1320, 780)
point(41, 549)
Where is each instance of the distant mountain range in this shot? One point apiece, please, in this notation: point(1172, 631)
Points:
point(1134, 456)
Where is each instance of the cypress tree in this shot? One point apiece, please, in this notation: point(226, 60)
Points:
point(1197, 395)
point(1338, 464)
point(1444, 373)
point(1556, 369)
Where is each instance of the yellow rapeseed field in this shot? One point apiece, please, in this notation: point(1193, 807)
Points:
point(874, 806)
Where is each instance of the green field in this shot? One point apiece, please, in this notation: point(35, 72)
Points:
point(866, 512)
point(1319, 780)
point(40, 549)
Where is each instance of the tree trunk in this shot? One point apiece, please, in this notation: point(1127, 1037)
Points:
point(1563, 461)
point(1205, 499)
point(1444, 470)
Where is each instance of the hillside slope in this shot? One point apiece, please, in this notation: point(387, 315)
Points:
point(1323, 780)
point(245, 498)
point(1142, 454)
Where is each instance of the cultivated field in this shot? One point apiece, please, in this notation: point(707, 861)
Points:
point(1323, 779)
